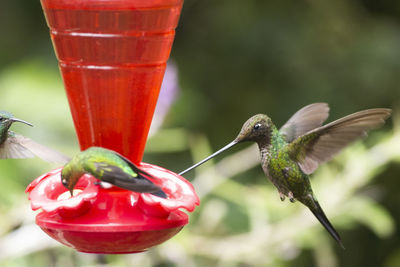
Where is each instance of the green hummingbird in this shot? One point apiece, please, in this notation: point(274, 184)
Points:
point(289, 155)
point(111, 167)
point(13, 145)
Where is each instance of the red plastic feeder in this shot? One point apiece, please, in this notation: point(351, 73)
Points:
point(112, 56)
point(114, 220)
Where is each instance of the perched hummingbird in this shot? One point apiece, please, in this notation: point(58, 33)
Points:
point(289, 155)
point(13, 145)
point(108, 166)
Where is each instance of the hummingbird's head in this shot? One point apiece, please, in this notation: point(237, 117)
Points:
point(6, 119)
point(256, 129)
point(64, 180)
point(67, 178)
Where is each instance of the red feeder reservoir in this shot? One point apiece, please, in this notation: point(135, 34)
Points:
point(112, 56)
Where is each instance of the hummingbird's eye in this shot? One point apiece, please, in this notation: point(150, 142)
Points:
point(257, 126)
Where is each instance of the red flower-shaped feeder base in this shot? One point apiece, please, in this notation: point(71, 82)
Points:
point(113, 220)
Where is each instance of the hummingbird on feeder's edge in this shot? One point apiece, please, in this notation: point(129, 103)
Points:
point(13, 145)
point(289, 155)
point(111, 167)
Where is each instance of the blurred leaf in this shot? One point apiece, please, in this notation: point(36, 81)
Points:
point(372, 215)
point(168, 141)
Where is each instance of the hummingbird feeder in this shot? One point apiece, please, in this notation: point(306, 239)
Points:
point(112, 56)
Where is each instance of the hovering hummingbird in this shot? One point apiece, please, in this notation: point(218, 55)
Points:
point(108, 166)
point(13, 145)
point(289, 155)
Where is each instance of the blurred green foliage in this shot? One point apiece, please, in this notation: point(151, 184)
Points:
point(235, 58)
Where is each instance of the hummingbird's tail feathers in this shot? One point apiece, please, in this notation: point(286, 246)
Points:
point(141, 185)
point(27, 146)
point(160, 193)
point(319, 213)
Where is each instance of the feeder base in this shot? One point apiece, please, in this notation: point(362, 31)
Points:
point(109, 242)
point(111, 220)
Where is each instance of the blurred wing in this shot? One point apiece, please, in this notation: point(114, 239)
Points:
point(26, 145)
point(12, 149)
point(321, 144)
point(304, 120)
point(115, 175)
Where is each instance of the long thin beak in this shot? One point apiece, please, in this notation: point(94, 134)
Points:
point(18, 120)
point(231, 144)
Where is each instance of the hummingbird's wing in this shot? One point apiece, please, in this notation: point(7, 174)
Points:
point(304, 120)
point(117, 176)
point(143, 174)
point(11, 149)
point(18, 146)
point(134, 167)
point(319, 145)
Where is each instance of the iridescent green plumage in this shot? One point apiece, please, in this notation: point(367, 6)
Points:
point(13, 145)
point(108, 166)
point(290, 154)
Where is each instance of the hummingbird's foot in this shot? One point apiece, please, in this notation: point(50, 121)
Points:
point(282, 196)
point(291, 198)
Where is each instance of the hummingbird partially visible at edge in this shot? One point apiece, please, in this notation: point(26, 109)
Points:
point(111, 167)
point(13, 145)
point(289, 155)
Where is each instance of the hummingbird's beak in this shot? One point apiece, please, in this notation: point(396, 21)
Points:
point(231, 144)
point(22, 121)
